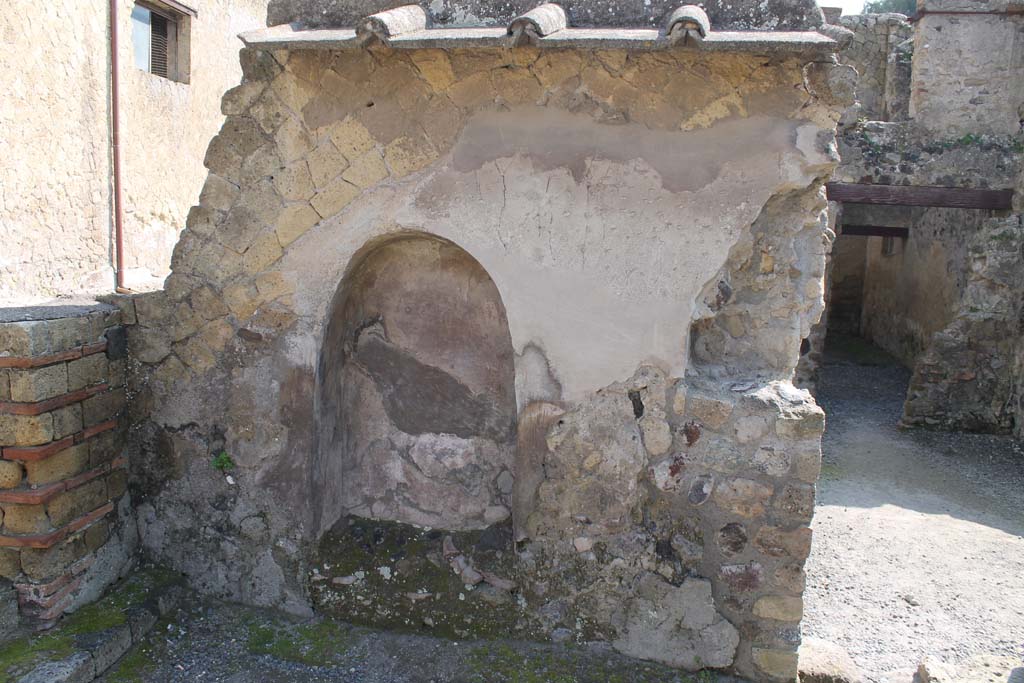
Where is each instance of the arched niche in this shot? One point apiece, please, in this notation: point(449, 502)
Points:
point(416, 407)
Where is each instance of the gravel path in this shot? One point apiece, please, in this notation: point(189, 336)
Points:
point(918, 537)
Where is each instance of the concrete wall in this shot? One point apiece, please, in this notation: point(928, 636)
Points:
point(55, 215)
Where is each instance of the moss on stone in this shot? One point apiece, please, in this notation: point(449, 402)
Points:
point(20, 656)
point(503, 663)
point(399, 580)
point(317, 643)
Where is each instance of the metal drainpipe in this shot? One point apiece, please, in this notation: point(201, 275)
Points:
point(115, 151)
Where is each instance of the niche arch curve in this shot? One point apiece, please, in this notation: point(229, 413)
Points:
point(416, 406)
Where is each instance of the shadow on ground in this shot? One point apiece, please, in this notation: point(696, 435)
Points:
point(919, 535)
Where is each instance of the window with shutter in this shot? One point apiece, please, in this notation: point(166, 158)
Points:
point(158, 45)
point(160, 39)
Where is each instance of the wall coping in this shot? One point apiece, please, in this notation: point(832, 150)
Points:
point(293, 37)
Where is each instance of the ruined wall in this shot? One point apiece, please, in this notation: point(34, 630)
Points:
point(68, 528)
point(846, 279)
point(664, 464)
point(914, 292)
point(879, 54)
point(969, 67)
point(967, 379)
point(940, 301)
point(55, 216)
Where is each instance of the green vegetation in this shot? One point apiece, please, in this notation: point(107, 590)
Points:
point(315, 644)
point(907, 7)
point(222, 462)
point(502, 663)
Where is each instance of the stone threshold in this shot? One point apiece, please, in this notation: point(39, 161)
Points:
point(87, 643)
point(290, 37)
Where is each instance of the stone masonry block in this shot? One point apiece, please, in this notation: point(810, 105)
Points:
point(779, 542)
point(41, 564)
point(87, 371)
point(104, 447)
point(5, 385)
point(743, 497)
point(779, 608)
point(117, 484)
point(25, 519)
point(10, 563)
point(26, 430)
point(70, 505)
point(10, 474)
point(96, 535)
point(67, 420)
point(103, 406)
point(63, 465)
point(117, 343)
point(38, 384)
point(777, 664)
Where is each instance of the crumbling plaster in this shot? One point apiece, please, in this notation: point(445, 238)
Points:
point(624, 204)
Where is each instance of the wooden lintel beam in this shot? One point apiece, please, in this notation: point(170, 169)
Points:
point(918, 195)
point(875, 231)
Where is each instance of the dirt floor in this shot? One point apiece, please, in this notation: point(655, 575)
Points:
point(918, 536)
point(212, 641)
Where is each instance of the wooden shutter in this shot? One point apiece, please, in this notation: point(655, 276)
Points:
point(158, 46)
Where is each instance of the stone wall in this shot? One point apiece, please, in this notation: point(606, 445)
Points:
point(56, 211)
point(879, 54)
point(945, 300)
point(664, 466)
point(68, 529)
point(969, 67)
point(913, 293)
point(846, 281)
point(967, 379)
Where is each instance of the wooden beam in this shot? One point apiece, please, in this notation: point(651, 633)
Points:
point(875, 231)
point(917, 195)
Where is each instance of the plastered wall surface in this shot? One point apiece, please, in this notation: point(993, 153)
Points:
point(913, 293)
point(55, 216)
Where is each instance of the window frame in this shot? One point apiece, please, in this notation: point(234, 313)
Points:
point(178, 18)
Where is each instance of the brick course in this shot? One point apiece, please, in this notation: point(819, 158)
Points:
point(61, 464)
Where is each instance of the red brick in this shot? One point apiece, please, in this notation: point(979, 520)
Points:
point(98, 347)
point(35, 496)
point(39, 361)
point(40, 407)
point(31, 453)
point(95, 429)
